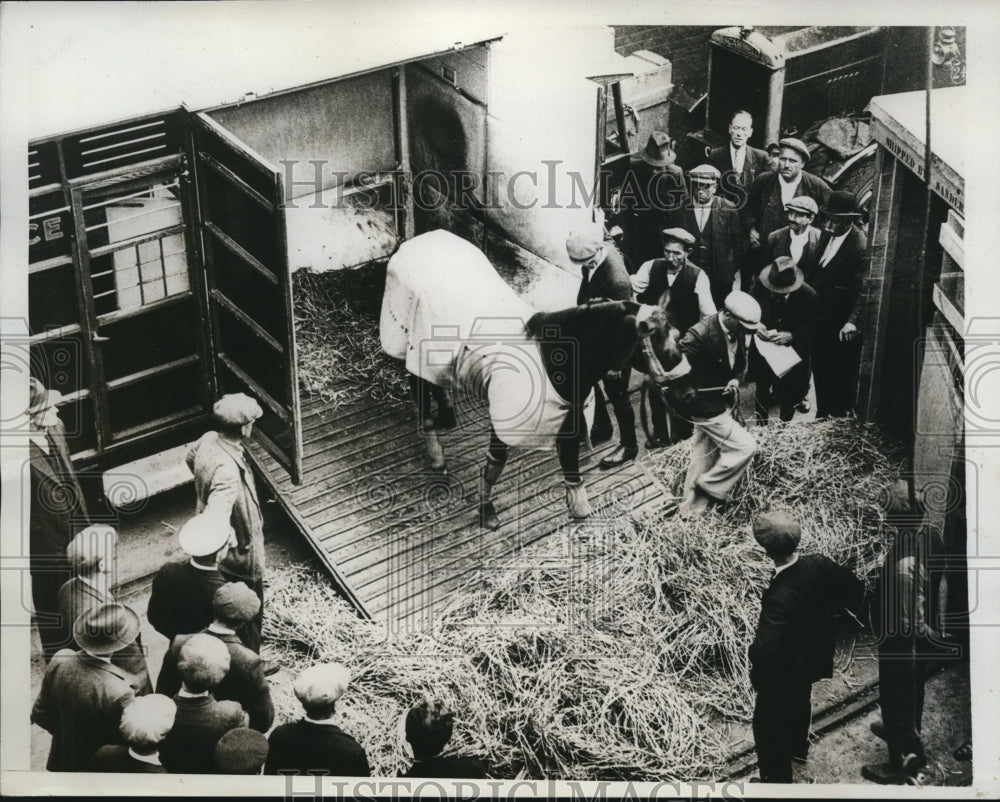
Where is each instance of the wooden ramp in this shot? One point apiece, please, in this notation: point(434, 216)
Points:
point(399, 539)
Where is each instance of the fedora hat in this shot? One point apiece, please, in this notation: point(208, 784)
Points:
point(782, 276)
point(106, 628)
point(659, 150)
point(841, 204)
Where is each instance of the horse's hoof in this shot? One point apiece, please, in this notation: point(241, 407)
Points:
point(488, 516)
point(438, 470)
point(576, 501)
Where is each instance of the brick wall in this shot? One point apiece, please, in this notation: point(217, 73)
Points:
point(686, 46)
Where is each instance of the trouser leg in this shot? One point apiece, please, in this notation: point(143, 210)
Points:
point(568, 444)
point(735, 447)
point(602, 421)
point(621, 403)
point(899, 691)
point(801, 719)
point(771, 723)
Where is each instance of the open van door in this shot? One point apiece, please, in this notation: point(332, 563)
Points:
point(249, 290)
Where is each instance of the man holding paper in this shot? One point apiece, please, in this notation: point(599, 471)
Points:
point(780, 354)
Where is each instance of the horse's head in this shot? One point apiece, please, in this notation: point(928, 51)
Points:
point(659, 346)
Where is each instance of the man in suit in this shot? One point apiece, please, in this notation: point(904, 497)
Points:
point(794, 643)
point(771, 192)
point(315, 743)
point(145, 723)
point(93, 555)
point(58, 509)
point(738, 162)
point(715, 351)
point(800, 238)
point(225, 490)
point(234, 604)
point(788, 312)
point(83, 693)
point(603, 276)
point(180, 602)
point(714, 222)
point(838, 278)
point(429, 726)
point(201, 720)
point(652, 187)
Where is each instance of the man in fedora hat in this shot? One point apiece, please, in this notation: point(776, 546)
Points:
point(800, 238)
point(652, 186)
point(714, 222)
point(603, 276)
point(83, 693)
point(180, 602)
point(58, 510)
point(721, 449)
point(738, 162)
point(794, 643)
point(788, 313)
point(225, 490)
point(93, 553)
point(838, 277)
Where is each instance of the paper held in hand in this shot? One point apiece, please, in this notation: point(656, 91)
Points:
point(780, 358)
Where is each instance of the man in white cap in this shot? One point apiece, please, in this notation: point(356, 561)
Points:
point(603, 276)
point(180, 602)
point(800, 238)
point(145, 723)
point(58, 510)
point(716, 353)
point(225, 491)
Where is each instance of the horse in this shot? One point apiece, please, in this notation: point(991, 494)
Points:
point(457, 325)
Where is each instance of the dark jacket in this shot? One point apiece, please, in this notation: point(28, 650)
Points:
point(306, 746)
point(58, 508)
point(117, 760)
point(180, 602)
point(706, 349)
point(764, 209)
point(719, 248)
point(779, 244)
point(189, 747)
point(609, 279)
point(796, 313)
point(682, 306)
point(795, 634)
point(841, 282)
point(903, 603)
point(754, 164)
point(80, 703)
point(245, 682)
point(454, 767)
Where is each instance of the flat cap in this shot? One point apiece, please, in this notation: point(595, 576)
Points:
point(802, 203)
point(204, 534)
point(777, 532)
point(582, 243)
point(234, 601)
point(677, 235)
point(704, 172)
point(147, 720)
point(241, 751)
point(797, 145)
point(236, 409)
point(744, 308)
point(322, 684)
point(204, 658)
point(41, 397)
point(91, 545)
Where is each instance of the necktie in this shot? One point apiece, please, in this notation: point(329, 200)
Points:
point(828, 253)
point(581, 296)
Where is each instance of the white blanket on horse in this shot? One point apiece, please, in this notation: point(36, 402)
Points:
point(456, 323)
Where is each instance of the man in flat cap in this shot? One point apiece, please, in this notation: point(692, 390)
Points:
point(716, 353)
point(800, 238)
point(838, 277)
point(315, 744)
point(789, 309)
point(429, 725)
point(240, 751)
point(794, 643)
point(144, 725)
point(58, 510)
point(603, 276)
point(233, 605)
point(652, 186)
point(738, 162)
point(225, 490)
point(83, 693)
point(93, 553)
point(719, 239)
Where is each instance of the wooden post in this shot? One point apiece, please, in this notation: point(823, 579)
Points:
point(403, 148)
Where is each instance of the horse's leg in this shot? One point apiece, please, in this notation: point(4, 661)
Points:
point(496, 458)
point(422, 390)
point(444, 416)
point(568, 449)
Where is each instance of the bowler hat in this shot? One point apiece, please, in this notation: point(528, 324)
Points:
point(241, 751)
point(802, 203)
point(773, 147)
point(782, 276)
point(584, 243)
point(841, 204)
point(744, 308)
point(236, 409)
point(659, 150)
point(234, 601)
point(204, 534)
point(704, 172)
point(677, 235)
point(106, 628)
point(778, 532)
point(321, 685)
point(41, 397)
point(797, 145)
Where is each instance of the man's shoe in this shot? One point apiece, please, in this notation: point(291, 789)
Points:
point(600, 434)
point(619, 456)
point(878, 729)
point(488, 517)
point(884, 774)
point(803, 406)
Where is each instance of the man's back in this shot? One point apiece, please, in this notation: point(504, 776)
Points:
point(200, 722)
point(306, 746)
point(180, 602)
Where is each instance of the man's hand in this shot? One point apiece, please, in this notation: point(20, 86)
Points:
point(848, 332)
point(754, 238)
point(732, 386)
point(782, 338)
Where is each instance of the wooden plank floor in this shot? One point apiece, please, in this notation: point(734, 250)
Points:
point(398, 539)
